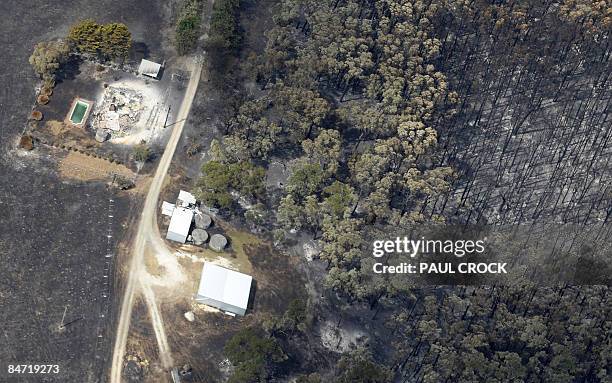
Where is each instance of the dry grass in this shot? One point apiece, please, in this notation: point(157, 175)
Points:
point(85, 168)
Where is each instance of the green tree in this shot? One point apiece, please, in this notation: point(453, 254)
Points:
point(359, 367)
point(254, 355)
point(188, 27)
point(214, 185)
point(339, 199)
point(48, 57)
point(325, 149)
point(290, 215)
point(106, 41)
point(116, 40)
point(224, 28)
point(85, 36)
point(306, 179)
point(219, 179)
point(141, 153)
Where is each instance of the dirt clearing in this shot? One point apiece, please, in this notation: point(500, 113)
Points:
point(86, 168)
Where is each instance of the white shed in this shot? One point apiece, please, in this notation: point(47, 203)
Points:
point(179, 224)
point(185, 199)
point(167, 208)
point(149, 68)
point(224, 289)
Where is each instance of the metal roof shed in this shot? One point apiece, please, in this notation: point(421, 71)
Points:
point(180, 223)
point(149, 68)
point(185, 199)
point(224, 289)
point(167, 208)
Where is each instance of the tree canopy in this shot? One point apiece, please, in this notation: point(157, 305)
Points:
point(48, 57)
point(110, 41)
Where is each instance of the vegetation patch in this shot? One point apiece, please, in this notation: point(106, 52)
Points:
point(224, 25)
point(104, 41)
point(26, 142)
point(220, 179)
point(36, 115)
point(188, 27)
point(48, 57)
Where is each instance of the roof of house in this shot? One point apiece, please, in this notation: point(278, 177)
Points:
point(149, 68)
point(225, 285)
point(180, 222)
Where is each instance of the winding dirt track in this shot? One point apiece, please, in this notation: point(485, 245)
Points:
point(147, 230)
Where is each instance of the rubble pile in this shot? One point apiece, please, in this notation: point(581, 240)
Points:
point(118, 112)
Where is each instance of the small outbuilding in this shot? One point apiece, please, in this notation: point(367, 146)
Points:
point(185, 199)
point(180, 223)
point(149, 69)
point(224, 289)
point(167, 208)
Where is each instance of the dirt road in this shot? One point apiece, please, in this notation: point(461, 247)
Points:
point(146, 231)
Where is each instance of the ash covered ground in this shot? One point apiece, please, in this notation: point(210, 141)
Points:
point(54, 234)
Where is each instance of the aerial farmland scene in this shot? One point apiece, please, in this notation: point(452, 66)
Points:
point(306, 191)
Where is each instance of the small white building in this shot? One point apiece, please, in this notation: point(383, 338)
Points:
point(167, 208)
point(149, 69)
point(180, 223)
point(224, 289)
point(185, 199)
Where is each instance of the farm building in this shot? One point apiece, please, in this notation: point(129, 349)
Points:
point(224, 289)
point(180, 223)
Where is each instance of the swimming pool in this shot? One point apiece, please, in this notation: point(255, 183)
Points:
point(78, 112)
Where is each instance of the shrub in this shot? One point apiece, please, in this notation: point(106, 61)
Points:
point(106, 41)
point(218, 179)
point(43, 100)
point(188, 27)
point(141, 153)
point(36, 115)
point(26, 142)
point(46, 91)
point(224, 28)
point(48, 57)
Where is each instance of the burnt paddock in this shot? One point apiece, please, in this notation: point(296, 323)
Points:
point(58, 265)
point(53, 236)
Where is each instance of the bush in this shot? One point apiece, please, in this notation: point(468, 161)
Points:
point(141, 153)
point(48, 57)
point(254, 355)
point(106, 41)
point(224, 28)
point(219, 178)
point(42, 99)
point(46, 91)
point(188, 27)
point(36, 115)
point(26, 142)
